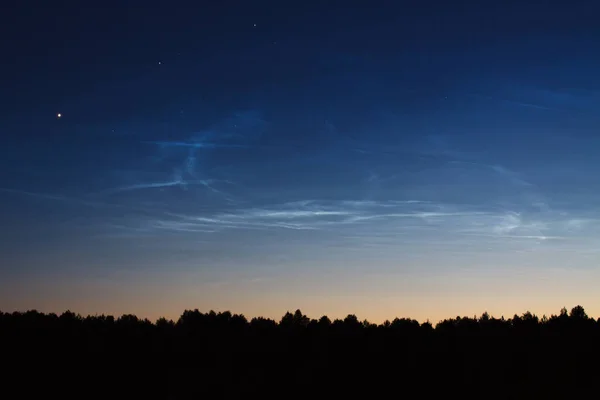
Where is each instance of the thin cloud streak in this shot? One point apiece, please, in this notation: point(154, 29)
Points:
point(166, 184)
point(196, 145)
point(331, 216)
point(65, 199)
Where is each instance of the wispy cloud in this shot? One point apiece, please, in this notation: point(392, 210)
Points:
point(516, 103)
point(247, 125)
point(530, 105)
point(208, 183)
point(440, 145)
point(178, 226)
point(514, 177)
point(500, 170)
point(578, 224)
point(63, 199)
point(243, 128)
point(314, 215)
point(362, 222)
point(196, 145)
point(542, 99)
point(141, 186)
point(572, 99)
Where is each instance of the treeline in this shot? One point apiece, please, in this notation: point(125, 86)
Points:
point(193, 325)
point(226, 355)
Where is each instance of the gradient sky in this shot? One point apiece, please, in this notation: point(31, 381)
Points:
point(383, 158)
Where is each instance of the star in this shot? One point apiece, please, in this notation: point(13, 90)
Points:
point(255, 25)
point(58, 115)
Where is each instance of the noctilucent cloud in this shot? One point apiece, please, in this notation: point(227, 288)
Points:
point(383, 159)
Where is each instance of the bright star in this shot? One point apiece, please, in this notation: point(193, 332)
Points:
point(58, 115)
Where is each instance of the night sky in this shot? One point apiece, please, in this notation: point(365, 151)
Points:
point(383, 158)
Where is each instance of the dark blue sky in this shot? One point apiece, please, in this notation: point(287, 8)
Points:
point(379, 158)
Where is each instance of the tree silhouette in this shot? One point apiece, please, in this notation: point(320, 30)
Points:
point(578, 313)
point(224, 353)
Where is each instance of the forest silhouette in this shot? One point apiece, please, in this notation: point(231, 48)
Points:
point(225, 355)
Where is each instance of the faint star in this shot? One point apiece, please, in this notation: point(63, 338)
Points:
point(160, 63)
point(255, 25)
